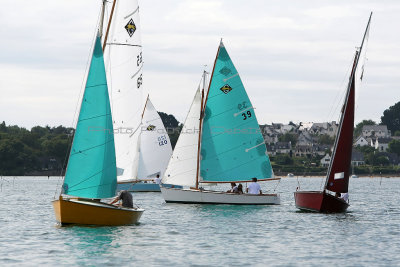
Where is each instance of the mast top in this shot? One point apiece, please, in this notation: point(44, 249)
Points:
point(221, 44)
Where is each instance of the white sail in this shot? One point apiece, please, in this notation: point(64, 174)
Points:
point(182, 166)
point(123, 56)
point(155, 146)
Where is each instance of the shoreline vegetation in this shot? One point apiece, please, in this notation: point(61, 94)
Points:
point(43, 151)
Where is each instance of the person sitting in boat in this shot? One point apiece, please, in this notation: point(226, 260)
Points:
point(157, 180)
point(233, 188)
point(240, 189)
point(254, 187)
point(126, 198)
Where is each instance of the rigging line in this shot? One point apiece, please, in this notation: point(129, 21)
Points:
point(78, 103)
point(233, 76)
point(137, 72)
point(248, 149)
point(135, 130)
point(127, 16)
point(339, 93)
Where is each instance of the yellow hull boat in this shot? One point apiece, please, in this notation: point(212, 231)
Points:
point(92, 212)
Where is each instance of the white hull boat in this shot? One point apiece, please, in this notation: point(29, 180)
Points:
point(192, 196)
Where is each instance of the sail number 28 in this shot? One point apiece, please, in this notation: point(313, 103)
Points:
point(246, 115)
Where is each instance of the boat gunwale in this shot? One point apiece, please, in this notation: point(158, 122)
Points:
point(222, 192)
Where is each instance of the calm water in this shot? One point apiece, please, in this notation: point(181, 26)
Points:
point(202, 235)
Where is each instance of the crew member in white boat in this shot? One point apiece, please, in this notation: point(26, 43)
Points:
point(233, 188)
point(126, 198)
point(157, 180)
point(254, 187)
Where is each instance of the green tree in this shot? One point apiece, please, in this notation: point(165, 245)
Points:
point(391, 117)
point(359, 126)
point(288, 137)
point(394, 147)
point(283, 159)
point(326, 139)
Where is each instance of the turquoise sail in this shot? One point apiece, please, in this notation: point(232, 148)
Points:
point(232, 146)
point(91, 171)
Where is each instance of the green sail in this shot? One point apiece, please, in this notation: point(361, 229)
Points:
point(91, 171)
point(232, 146)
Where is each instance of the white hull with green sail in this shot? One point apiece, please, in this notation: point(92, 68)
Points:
point(228, 146)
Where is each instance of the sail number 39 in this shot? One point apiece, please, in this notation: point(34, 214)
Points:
point(246, 115)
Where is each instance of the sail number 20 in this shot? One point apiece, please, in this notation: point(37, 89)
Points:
point(162, 140)
point(246, 115)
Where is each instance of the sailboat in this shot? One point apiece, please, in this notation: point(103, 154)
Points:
point(91, 173)
point(220, 142)
point(337, 179)
point(142, 144)
point(155, 151)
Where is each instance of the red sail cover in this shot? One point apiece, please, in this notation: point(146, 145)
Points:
point(338, 177)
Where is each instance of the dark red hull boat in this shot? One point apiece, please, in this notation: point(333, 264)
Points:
point(337, 180)
point(319, 201)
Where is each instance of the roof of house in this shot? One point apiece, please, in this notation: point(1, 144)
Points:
point(374, 128)
point(384, 140)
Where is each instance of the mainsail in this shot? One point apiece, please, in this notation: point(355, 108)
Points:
point(93, 145)
point(182, 167)
point(339, 169)
point(123, 57)
point(232, 146)
point(155, 146)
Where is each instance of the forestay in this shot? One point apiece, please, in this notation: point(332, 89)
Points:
point(155, 146)
point(123, 54)
point(91, 171)
point(232, 146)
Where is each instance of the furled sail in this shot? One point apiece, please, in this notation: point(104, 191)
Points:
point(182, 167)
point(123, 57)
point(91, 171)
point(232, 146)
point(155, 146)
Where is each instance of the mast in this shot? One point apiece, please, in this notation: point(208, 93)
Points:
point(200, 126)
point(102, 19)
point(202, 114)
point(109, 24)
point(349, 87)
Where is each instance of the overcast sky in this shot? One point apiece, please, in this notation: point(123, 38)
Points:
point(293, 57)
